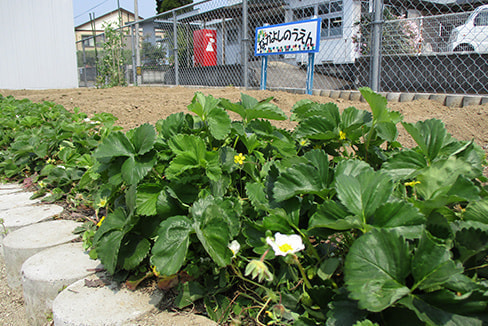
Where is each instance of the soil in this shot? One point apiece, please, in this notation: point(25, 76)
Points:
point(137, 105)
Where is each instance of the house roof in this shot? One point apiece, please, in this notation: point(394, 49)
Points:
point(108, 14)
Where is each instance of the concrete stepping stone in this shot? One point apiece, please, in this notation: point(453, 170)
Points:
point(17, 199)
point(28, 241)
point(85, 303)
point(18, 217)
point(9, 188)
point(48, 272)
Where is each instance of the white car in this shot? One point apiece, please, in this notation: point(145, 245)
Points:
point(473, 35)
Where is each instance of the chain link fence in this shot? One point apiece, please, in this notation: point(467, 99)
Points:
point(438, 46)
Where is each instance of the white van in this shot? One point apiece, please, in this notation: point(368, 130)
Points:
point(473, 35)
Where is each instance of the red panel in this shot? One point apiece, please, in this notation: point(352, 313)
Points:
point(205, 47)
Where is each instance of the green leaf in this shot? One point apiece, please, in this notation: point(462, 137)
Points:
point(401, 215)
point(447, 178)
point(189, 292)
point(146, 199)
point(143, 139)
point(116, 144)
point(377, 104)
point(215, 237)
point(133, 250)
point(387, 131)
point(363, 194)
point(299, 179)
point(257, 196)
point(352, 167)
point(344, 312)
point(108, 248)
point(135, 169)
point(432, 315)
point(405, 164)
point(430, 135)
point(219, 123)
point(432, 264)
point(169, 251)
point(305, 109)
point(317, 127)
point(189, 144)
point(172, 125)
point(477, 211)
point(471, 241)
point(201, 105)
point(376, 269)
point(334, 216)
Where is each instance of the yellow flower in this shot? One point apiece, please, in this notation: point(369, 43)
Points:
point(284, 244)
point(155, 271)
point(342, 135)
point(239, 159)
point(411, 183)
point(41, 184)
point(101, 221)
point(102, 202)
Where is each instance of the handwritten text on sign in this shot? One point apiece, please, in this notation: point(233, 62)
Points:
point(294, 37)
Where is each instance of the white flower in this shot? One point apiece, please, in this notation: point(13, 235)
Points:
point(285, 244)
point(234, 246)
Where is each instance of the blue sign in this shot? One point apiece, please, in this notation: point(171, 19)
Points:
point(294, 37)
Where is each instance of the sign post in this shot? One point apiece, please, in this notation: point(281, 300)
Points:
point(294, 37)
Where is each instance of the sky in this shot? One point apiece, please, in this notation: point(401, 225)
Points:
point(83, 8)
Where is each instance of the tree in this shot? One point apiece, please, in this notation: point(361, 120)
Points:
point(165, 5)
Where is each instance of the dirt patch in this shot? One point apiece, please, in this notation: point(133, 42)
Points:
point(137, 105)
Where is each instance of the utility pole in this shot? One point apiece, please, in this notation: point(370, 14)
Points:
point(138, 52)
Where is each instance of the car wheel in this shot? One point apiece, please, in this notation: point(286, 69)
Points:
point(464, 48)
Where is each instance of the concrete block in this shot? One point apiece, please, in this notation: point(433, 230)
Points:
point(421, 97)
point(454, 101)
point(471, 100)
point(17, 199)
point(406, 97)
point(48, 272)
point(355, 96)
point(345, 95)
point(80, 305)
point(334, 94)
point(28, 241)
point(393, 97)
point(441, 98)
point(325, 92)
point(484, 100)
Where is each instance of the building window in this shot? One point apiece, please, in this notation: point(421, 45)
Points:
point(331, 14)
point(88, 40)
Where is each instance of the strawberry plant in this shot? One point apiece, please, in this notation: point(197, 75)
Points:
point(333, 222)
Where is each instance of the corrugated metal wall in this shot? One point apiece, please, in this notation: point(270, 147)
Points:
point(37, 44)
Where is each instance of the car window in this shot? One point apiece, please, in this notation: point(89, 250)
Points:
point(481, 19)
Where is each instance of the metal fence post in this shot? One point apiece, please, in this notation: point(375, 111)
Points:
point(375, 64)
point(175, 49)
point(134, 64)
point(245, 41)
